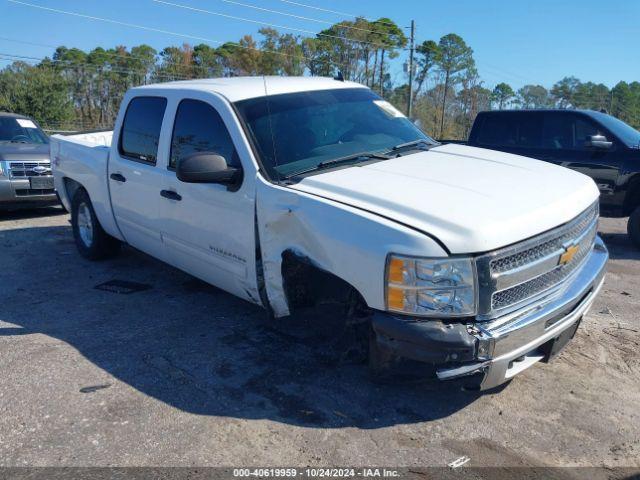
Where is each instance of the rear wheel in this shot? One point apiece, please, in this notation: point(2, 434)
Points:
point(633, 227)
point(92, 241)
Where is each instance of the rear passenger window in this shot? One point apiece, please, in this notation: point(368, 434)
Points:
point(199, 128)
point(497, 131)
point(141, 128)
point(511, 130)
point(529, 131)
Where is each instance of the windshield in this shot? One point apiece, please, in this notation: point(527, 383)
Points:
point(21, 130)
point(627, 134)
point(296, 132)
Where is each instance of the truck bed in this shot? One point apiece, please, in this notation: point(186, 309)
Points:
point(90, 139)
point(83, 158)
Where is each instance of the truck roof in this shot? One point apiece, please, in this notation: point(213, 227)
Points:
point(543, 110)
point(242, 88)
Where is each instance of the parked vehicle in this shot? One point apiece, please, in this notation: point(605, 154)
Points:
point(25, 168)
point(303, 193)
point(593, 143)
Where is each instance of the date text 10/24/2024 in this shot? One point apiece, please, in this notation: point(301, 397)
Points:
point(315, 472)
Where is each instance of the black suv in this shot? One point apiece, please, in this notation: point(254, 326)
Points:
point(594, 143)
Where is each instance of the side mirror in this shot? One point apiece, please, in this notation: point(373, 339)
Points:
point(207, 167)
point(598, 141)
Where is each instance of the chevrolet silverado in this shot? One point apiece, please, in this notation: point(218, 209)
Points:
point(297, 193)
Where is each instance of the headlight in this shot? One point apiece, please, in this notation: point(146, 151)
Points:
point(2, 170)
point(437, 287)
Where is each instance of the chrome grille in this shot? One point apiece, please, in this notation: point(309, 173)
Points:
point(26, 169)
point(523, 291)
point(536, 252)
point(511, 277)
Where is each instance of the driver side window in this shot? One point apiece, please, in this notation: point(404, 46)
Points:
point(585, 129)
point(199, 128)
point(568, 131)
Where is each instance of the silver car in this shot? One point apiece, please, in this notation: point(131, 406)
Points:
point(25, 168)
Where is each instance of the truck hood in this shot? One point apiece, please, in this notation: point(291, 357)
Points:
point(23, 152)
point(471, 199)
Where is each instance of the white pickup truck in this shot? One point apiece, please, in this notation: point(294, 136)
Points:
point(298, 193)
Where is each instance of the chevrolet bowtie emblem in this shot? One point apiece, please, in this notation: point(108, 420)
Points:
point(567, 256)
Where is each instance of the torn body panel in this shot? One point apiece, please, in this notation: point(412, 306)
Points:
point(347, 242)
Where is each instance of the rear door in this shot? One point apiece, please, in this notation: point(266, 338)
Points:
point(564, 142)
point(134, 179)
point(209, 229)
point(518, 132)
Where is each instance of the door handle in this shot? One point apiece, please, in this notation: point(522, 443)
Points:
point(117, 177)
point(171, 195)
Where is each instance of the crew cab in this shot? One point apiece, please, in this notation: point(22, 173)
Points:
point(25, 168)
point(593, 143)
point(301, 193)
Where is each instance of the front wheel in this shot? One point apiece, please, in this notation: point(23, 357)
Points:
point(633, 227)
point(92, 241)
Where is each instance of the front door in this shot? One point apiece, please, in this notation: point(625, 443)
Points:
point(209, 229)
point(134, 179)
point(565, 138)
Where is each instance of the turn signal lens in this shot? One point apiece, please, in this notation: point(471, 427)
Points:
point(396, 270)
point(395, 298)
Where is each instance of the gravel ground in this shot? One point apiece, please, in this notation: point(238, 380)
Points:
point(183, 374)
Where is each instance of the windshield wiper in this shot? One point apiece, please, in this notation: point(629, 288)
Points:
point(355, 156)
point(347, 158)
point(414, 143)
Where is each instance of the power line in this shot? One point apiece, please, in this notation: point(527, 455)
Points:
point(152, 29)
point(335, 12)
point(299, 17)
point(274, 25)
point(166, 32)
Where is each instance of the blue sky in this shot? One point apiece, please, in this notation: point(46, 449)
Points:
point(514, 41)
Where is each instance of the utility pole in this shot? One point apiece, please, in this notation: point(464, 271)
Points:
point(411, 49)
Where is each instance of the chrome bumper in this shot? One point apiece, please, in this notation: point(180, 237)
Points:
point(510, 344)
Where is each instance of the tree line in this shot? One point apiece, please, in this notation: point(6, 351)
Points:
point(78, 90)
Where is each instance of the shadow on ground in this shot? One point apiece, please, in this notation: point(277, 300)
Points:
point(620, 247)
point(23, 214)
point(192, 346)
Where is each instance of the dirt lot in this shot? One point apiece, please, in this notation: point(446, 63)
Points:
point(184, 374)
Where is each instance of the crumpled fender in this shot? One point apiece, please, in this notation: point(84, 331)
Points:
point(350, 243)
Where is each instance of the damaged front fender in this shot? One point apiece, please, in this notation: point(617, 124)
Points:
point(347, 242)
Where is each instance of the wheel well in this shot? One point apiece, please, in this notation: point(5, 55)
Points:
point(71, 187)
point(307, 285)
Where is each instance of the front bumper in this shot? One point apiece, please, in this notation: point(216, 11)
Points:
point(495, 351)
point(16, 193)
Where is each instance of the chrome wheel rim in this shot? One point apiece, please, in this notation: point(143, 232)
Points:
point(85, 225)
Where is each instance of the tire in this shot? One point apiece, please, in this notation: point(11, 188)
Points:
point(92, 241)
point(633, 227)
